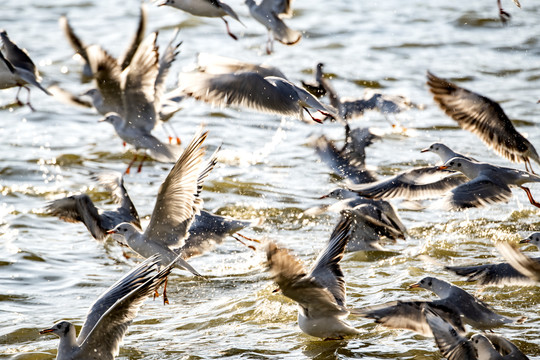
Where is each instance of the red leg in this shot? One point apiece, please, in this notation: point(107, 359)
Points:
point(130, 164)
point(229, 31)
point(165, 299)
point(529, 195)
point(140, 165)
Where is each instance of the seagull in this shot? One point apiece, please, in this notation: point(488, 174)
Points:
point(349, 161)
point(268, 94)
point(444, 152)
point(80, 208)
point(525, 265)
point(320, 294)
point(455, 346)
point(206, 8)
point(177, 202)
point(455, 306)
point(488, 184)
point(17, 69)
point(109, 317)
point(319, 86)
point(270, 13)
point(497, 274)
point(484, 118)
point(80, 47)
point(135, 92)
point(414, 184)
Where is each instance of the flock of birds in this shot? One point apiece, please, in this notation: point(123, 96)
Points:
point(130, 93)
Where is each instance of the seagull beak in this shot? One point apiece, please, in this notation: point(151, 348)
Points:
point(424, 150)
point(46, 331)
point(276, 290)
point(101, 120)
point(525, 241)
point(442, 167)
point(413, 286)
point(113, 231)
point(323, 197)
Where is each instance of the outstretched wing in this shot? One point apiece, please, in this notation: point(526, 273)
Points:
point(177, 201)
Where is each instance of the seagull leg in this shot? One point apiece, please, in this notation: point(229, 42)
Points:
point(243, 243)
point(130, 164)
point(269, 43)
point(165, 299)
point(503, 14)
point(530, 169)
point(228, 30)
point(529, 195)
point(314, 119)
point(28, 99)
point(140, 165)
point(171, 128)
point(250, 239)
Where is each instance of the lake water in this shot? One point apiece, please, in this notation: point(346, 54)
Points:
point(51, 270)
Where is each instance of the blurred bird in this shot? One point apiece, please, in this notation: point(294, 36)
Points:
point(270, 13)
point(455, 346)
point(206, 8)
point(483, 117)
point(17, 69)
point(320, 294)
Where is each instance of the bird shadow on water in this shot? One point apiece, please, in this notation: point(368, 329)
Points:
point(328, 349)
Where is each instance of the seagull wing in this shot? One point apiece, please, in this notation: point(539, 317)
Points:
point(126, 58)
point(112, 313)
point(76, 43)
point(505, 347)
point(326, 270)
point(138, 83)
point(17, 57)
point(491, 274)
point(114, 182)
point(107, 75)
point(481, 116)
point(215, 64)
point(453, 346)
point(246, 89)
point(476, 193)
point(79, 208)
point(177, 201)
point(165, 63)
point(291, 277)
point(412, 184)
point(521, 262)
point(409, 315)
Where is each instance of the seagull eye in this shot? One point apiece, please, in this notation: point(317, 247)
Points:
point(459, 165)
point(476, 341)
point(429, 284)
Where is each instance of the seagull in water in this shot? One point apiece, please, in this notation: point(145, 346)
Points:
point(498, 274)
point(270, 13)
point(177, 202)
point(484, 118)
point(17, 69)
point(206, 8)
point(488, 184)
point(108, 319)
point(80, 208)
point(320, 294)
point(455, 346)
point(455, 305)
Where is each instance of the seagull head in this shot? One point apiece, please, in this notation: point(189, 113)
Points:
point(533, 239)
point(112, 118)
point(481, 345)
point(339, 193)
point(123, 231)
point(435, 148)
point(61, 329)
point(432, 284)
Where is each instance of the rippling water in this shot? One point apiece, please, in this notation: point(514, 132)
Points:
point(50, 270)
